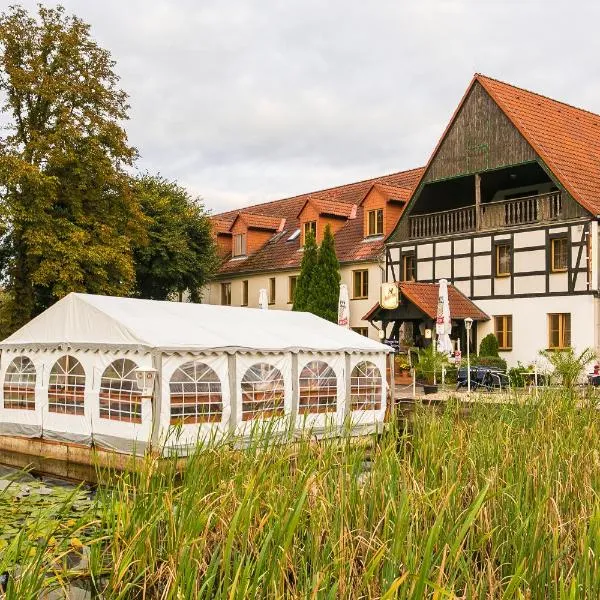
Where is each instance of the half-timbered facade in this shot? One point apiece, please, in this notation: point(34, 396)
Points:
point(507, 211)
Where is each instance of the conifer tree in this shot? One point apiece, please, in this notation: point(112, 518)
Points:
point(325, 283)
point(307, 268)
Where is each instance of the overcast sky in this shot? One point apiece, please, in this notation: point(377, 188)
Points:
point(244, 102)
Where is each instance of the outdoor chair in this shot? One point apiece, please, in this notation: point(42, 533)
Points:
point(486, 378)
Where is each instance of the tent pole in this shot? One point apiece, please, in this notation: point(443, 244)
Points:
point(157, 397)
point(233, 393)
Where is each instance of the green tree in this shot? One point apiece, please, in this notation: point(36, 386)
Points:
point(179, 253)
point(307, 268)
point(64, 191)
point(489, 346)
point(324, 288)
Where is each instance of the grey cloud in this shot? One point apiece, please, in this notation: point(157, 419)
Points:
point(247, 101)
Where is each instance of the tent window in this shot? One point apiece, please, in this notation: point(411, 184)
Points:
point(262, 392)
point(365, 387)
point(195, 394)
point(19, 384)
point(318, 388)
point(120, 398)
point(66, 387)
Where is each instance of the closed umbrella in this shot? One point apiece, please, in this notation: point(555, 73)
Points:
point(443, 324)
point(263, 300)
point(344, 307)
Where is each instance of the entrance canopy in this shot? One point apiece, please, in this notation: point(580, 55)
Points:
point(419, 299)
point(88, 321)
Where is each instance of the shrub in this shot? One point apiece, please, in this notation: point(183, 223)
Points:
point(430, 364)
point(567, 365)
point(494, 362)
point(489, 345)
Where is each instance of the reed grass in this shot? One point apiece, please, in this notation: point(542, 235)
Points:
point(500, 502)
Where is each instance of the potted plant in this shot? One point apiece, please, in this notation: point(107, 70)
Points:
point(402, 369)
point(430, 367)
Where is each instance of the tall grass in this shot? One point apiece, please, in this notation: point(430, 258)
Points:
point(501, 502)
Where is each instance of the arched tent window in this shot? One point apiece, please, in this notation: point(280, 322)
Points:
point(120, 398)
point(262, 392)
point(19, 384)
point(365, 387)
point(66, 387)
point(318, 388)
point(196, 395)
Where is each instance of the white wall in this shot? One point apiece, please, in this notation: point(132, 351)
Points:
point(530, 323)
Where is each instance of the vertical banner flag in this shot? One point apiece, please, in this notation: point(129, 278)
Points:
point(344, 306)
point(263, 300)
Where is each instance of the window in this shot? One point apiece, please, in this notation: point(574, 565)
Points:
point(503, 331)
point(19, 384)
point(560, 254)
point(226, 294)
point(559, 330)
point(66, 386)
point(309, 226)
point(239, 244)
point(502, 260)
point(365, 387)
point(409, 267)
point(262, 392)
point(292, 281)
point(271, 290)
point(120, 397)
point(361, 330)
point(318, 388)
point(375, 222)
point(195, 391)
point(245, 292)
point(360, 284)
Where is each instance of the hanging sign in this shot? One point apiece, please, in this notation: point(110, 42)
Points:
point(389, 296)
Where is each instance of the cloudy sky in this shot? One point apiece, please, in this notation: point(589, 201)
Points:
point(247, 101)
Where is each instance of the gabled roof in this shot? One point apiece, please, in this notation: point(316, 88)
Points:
point(282, 253)
point(99, 322)
point(425, 297)
point(221, 226)
point(264, 222)
point(332, 208)
point(566, 138)
point(391, 192)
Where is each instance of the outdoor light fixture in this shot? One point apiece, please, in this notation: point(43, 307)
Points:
point(144, 379)
point(468, 325)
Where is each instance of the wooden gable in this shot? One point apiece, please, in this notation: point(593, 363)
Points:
point(479, 138)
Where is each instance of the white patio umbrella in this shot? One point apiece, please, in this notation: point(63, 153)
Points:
point(443, 324)
point(344, 307)
point(263, 300)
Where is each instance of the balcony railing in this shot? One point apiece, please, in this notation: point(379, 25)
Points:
point(492, 215)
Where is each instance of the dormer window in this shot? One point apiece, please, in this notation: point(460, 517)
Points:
point(239, 244)
point(375, 222)
point(309, 226)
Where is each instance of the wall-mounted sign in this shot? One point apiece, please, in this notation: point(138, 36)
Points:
point(389, 296)
point(395, 344)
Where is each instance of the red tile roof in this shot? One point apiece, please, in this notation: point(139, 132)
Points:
point(334, 208)
point(392, 192)
point(566, 138)
point(221, 225)
point(262, 221)
point(281, 253)
point(425, 297)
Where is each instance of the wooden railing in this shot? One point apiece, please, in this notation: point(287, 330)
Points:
point(492, 215)
point(532, 209)
point(459, 220)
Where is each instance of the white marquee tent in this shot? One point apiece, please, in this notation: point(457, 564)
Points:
point(71, 373)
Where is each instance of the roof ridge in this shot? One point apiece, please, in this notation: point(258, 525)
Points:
point(335, 187)
point(522, 89)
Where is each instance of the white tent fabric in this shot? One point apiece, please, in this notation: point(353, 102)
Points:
point(88, 321)
point(99, 331)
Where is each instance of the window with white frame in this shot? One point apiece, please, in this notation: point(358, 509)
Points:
point(263, 392)
point(66, 387)
point(365, 387)
point(19, 384)
point(196, 396)
point(120, 397)
point(318, 388)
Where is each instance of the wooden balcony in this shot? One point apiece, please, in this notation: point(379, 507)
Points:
point(491, 215)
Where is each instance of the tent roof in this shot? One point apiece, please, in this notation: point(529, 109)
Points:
point(88, 321)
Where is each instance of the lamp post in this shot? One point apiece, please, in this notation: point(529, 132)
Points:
point(468, 325)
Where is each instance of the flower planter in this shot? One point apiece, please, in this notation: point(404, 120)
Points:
point(402, 377)
point(430, 389)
